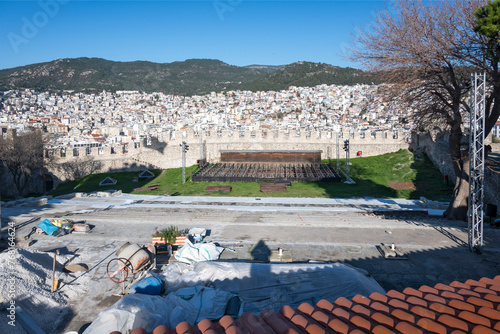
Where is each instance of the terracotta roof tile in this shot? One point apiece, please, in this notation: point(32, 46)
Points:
point(428, 289)
point(432, 326)
point(440, 308)
point(489, 313)
point(453, 322)
point(480, 302)
point(406, 328)
point(483, 330)
point(460, 305)
point(162, 329)
point(423, 312)
point(470, 307)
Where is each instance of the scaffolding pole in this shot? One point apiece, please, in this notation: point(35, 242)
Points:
point(476, 162)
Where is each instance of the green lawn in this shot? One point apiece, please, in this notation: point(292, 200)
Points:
point(371, 174)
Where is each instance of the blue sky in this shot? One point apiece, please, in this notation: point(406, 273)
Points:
point(238, 32)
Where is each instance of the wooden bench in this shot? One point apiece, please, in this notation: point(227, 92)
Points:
point(224, 189)
point(273, 188)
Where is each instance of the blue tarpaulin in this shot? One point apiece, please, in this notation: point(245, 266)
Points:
point(47, 227)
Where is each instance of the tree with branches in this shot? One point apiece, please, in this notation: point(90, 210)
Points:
point(22, 156)
point(426, 51)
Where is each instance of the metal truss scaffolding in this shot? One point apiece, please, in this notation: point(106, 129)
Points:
point(476, 161)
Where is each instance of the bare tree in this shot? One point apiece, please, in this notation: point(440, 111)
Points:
point(22, 156)
point(427, 50)
point(80, 167)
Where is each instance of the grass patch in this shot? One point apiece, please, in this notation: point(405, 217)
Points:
point(371, 174)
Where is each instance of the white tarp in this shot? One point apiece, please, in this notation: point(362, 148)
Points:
point(191, 253)
point(203, 290)
point(191, 304)
point(261, 285)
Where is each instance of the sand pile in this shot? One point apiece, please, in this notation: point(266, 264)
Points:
point(27, 275)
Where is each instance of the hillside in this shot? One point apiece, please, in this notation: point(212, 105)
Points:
point(309, 74)
point(194, 76)
point(190, 77)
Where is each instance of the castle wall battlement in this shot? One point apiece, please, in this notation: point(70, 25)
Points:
point(164, 151)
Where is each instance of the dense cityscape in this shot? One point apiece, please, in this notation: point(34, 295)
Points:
point(106, 118)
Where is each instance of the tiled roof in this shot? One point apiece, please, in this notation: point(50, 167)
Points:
point(470, 307)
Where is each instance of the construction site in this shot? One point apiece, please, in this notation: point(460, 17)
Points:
point(297, 252)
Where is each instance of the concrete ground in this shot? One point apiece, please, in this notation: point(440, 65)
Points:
point(350, 231)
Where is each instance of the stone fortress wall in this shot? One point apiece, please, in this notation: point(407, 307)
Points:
point(165, 151)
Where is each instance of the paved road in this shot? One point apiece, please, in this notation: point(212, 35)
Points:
point(346, 231)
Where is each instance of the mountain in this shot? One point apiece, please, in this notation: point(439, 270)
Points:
point(265, 68)
point(193, 76)
point(190, 77)
point(308, 74)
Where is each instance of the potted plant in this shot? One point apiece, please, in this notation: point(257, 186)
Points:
point(170, 236)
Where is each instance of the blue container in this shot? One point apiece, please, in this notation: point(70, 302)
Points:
point(147, 286)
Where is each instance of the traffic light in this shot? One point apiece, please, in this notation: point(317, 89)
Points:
point(346, 145)
point(185, 146)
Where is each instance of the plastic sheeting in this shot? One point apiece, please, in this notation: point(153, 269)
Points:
point(191, 304)
point(191, 253)
point(204, 290)
point(262, 286)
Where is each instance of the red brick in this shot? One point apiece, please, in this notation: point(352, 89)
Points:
point(488, 281)
point(474, 318)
